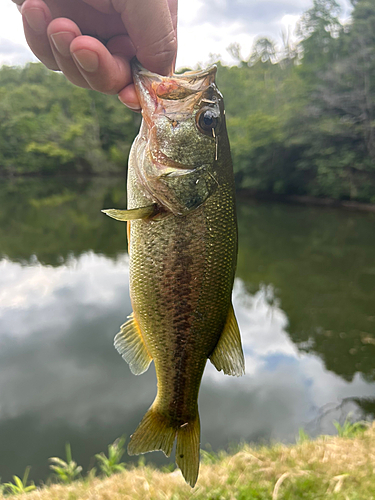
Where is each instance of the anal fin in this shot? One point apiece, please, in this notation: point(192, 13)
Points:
point(132, 214)
point(130, 344)
point(228, 355)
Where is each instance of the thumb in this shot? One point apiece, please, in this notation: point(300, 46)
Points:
point(104, 6)
point(150, 27)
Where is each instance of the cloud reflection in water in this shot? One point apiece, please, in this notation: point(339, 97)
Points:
point(62, 380)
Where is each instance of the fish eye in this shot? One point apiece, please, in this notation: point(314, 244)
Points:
point(207, 120)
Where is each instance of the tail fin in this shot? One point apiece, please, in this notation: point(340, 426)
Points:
point(155, 433)
point(187, 450)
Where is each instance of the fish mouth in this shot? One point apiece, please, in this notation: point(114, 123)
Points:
point(160, 92)
point(176, 86)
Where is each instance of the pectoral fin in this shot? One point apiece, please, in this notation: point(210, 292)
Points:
point(133, 214)
point(228, 354)
point(130, 344)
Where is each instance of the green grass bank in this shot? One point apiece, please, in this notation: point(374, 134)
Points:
point(340, 468)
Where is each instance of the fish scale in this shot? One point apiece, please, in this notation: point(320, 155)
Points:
point(182, 251)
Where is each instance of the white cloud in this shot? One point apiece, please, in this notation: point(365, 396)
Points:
point(205, 28)
point(56, 331)
point(39, 287)
point(13, 47)
point(208, 27)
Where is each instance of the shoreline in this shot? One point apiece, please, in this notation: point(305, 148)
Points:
point(306, 200)
point(327, 467)
point(242, 194)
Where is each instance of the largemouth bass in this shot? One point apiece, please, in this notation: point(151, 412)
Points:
point(182, 235)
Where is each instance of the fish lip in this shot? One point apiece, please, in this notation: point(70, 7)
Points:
point(139, 71)
point(154, 91)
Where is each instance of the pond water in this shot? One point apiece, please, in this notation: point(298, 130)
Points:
point(304, 297)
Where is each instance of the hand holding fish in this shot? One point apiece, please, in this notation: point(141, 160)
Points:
point(93, 41)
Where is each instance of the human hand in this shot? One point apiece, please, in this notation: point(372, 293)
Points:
point(93, 41)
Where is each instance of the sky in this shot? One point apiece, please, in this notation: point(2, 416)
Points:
point(206, 28)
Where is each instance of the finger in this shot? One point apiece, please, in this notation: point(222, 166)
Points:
point(36, 17)
point(155, 46)
point(103, 71)
point(173, 8)
point(101, 5)
point(122, 45)
point(61, 33)
point(128, 96)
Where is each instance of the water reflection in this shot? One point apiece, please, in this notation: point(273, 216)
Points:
point(322, 265)
point(62, 380)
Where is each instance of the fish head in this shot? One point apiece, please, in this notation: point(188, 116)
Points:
point(181, 138)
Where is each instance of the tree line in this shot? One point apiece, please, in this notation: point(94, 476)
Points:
point(301, 116)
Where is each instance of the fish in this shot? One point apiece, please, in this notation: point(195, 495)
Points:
point(182, 244)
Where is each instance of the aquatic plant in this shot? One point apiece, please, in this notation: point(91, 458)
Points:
point(66, 471)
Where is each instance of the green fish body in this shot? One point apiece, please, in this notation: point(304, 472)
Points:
point(182, 249)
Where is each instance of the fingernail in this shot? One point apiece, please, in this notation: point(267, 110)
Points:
point(62, 41)
point(36, 19)
point(87, 59)
point(133, 107)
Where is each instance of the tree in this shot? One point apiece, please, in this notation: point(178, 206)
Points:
point(318, 29)
point(264, 50)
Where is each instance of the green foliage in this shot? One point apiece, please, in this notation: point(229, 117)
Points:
point(112, 464)
point(20, 485)
point(209, 457)
point(350, 429)
point(302, 436)
point(278, 472)
point(48, 126)
point(91, 475)
point(168, 468)
point(301, 117)
point(55, 217)
point(67, 471)
point(253, 492)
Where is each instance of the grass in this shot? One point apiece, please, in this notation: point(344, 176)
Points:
point(337, 468)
